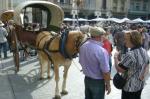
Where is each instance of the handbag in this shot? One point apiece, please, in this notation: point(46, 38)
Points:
point(119, 81)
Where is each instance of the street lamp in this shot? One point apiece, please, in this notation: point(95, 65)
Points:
point(97, 14)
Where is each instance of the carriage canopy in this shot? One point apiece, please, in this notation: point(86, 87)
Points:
point(46, 15)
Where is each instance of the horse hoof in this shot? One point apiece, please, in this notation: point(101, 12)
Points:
point(64, 92)
point(48, 77)
point(57, 97)
point(41, 78)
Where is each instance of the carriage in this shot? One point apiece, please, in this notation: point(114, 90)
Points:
point(30, 18)
point(37, 25)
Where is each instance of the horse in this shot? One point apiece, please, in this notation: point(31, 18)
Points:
point(53, 49)
point(58, 50)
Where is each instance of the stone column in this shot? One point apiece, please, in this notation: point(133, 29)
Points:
point(127, 6)
point(98, 4)
point(109, 5)
point(118, 6)
point(98, 8)
point(3, 5)
point(104, 3)
point(11, 6)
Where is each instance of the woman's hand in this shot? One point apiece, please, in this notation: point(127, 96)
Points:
point(116, 55)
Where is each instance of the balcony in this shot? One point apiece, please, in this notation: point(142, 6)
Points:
point(138, 11)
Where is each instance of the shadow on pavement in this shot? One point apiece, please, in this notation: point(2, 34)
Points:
point(23, 85)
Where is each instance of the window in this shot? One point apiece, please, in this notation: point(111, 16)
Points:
point(137, 6)
point(122, 8)
point(132, 6)
point(144, 7)
point(62, 1)
point(115, 1)
point(123, 2)
point(114, 8)
point(35, 17)
point(70, 1)
point(122, 5)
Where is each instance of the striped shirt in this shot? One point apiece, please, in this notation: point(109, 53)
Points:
point(134, 61)
point(94, 59)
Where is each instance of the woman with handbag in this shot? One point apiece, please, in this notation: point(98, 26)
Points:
point(133, 63)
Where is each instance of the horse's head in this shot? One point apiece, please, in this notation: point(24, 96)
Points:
point(74, 41)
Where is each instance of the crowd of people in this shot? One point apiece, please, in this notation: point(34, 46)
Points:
point(132, 41)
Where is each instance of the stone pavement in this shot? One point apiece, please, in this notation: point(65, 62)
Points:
point(26, 84)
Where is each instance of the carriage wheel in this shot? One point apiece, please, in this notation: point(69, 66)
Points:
point(15, 52)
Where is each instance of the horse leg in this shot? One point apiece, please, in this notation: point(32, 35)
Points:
point(48, 71)
point(43, 63)
point(56, 70)
point(64, 91)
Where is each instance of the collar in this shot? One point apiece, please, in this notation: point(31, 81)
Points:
point(136, 47)
point(96, 42)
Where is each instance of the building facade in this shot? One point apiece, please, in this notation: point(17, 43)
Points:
point(95, 8)
point(5, 5)
point(108, 8)
point(139, 8)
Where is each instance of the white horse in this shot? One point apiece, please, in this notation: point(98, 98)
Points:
point(53, 52)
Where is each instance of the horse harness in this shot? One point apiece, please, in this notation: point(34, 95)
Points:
point(62, 48)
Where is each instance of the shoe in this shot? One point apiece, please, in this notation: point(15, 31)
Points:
point(5, 57)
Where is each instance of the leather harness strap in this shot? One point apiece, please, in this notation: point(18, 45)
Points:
point(47, 50)
point(62, 47)
point(41, 39)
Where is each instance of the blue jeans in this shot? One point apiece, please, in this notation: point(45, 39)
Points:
point(3, 46)
point(110, 62)
point(94, 89)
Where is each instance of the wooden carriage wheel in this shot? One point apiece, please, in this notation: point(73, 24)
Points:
point(5, 17)
point(15, 51)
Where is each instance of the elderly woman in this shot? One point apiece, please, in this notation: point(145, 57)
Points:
point(133, 64)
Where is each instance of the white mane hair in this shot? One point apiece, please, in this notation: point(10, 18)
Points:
point(85, 29)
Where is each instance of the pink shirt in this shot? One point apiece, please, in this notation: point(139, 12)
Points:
point(94, 59)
